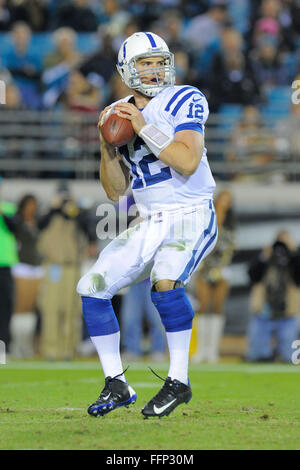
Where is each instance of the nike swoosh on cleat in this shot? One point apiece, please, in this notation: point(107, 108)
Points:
point(106, 398)
point(162, 408)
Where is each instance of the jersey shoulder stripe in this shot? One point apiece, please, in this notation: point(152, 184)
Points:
point(182, 89)
point(183, 100)
point(175, 96)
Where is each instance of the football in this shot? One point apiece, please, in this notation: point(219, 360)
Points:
point(117, 131)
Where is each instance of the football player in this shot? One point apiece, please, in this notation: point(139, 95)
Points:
point(173, 189)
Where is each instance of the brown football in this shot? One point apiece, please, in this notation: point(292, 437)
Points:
point(117, 131)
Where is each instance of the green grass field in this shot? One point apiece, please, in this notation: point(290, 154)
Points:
point(234, 406)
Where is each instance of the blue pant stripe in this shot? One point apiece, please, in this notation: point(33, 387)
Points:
point(206, 247)
point(190, 265)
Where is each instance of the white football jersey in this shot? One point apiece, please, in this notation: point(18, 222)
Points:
point(156, 186)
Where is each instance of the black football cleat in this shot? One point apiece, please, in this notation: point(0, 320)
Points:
point(114, 395)
point(172, 394)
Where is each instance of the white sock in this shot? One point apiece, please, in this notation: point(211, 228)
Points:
point(179, 346)
point(108, 349)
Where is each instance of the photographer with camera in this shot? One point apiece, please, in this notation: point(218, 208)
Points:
point(274, 301)
point(65, 240)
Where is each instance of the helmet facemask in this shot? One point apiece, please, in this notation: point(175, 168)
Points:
point(133, 77)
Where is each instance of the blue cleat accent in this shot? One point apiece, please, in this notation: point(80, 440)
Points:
point(115, 394)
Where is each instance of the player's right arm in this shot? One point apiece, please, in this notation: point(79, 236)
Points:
point(114, 175)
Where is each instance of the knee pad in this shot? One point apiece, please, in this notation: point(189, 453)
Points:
point(99, 316)
point(174, 308)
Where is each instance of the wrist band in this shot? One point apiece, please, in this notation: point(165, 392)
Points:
point(156, 140)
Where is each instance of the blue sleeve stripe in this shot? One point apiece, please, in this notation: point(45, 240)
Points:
point(193, 126)
point(151, 39)
point(183, 100)
point(174, 97)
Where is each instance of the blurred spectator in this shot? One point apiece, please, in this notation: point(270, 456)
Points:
point(190, 8)
point(27, 276)
point(182, 65)
point(5, 15)
point(137, 306)
point(12, 94)
point(31, 12)
point(103, 60)
point(212, 283)
point(8, 257)
point(274, 22)
point(274, 300)
point(77, 15)
point(81, 95)
point(58, 65)
point(24, 65)
point(170, 27)
point(115, 17)
point(131, 27)
point(230, 80)
point(288, 135)
point(206, 28)
point(268, 64)
point(146, 12)
point(251, 141)
point(63, 245)
point(65, 50)
point(13, 97)
point(118, 89)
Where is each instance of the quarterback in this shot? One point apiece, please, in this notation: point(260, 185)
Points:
point(173, 189)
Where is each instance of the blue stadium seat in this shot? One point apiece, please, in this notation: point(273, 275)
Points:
point(87, 43)
point(42, 43)
point(278, 103)
point(230, 114)
point(278, 93)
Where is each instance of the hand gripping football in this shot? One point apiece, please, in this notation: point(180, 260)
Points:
point(117, 131)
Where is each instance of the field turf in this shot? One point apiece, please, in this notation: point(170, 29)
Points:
point(234, 406)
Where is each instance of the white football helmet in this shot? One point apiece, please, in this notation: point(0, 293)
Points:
point(141, 45)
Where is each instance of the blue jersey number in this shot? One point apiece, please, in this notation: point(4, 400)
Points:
point(163, 175)
point(197, 112)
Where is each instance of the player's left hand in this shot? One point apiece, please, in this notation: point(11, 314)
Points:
point(131, 112)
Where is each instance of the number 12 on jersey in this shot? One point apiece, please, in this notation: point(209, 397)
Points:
point(143, 165)
point(195, 111)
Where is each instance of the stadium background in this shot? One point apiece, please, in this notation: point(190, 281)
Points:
point(244, 55)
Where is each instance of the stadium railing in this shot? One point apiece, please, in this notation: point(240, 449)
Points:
point(48, 144)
